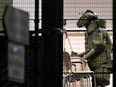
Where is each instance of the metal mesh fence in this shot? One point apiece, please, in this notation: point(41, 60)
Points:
point(29, 7)
point(72, 8)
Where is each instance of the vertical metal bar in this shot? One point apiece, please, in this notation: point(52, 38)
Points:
point(114, 36)
point(52, 18)
point(36, 43)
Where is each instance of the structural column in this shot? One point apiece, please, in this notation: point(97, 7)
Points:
point(52, 16)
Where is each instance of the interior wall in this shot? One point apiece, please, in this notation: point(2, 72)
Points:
point(72, 8)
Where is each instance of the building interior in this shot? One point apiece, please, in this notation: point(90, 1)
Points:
point(43, 41)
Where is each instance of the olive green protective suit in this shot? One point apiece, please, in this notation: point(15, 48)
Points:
point(98, 50)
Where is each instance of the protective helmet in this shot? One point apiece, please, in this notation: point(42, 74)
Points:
point(86, 17)
point(91, 15)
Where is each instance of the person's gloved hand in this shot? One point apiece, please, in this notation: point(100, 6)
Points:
point(76, 54)
point(83, 58)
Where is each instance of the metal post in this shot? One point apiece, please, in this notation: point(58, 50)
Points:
point(52, 19)
point(36, 74)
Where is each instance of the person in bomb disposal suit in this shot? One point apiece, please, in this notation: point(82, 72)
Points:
point(98, 47)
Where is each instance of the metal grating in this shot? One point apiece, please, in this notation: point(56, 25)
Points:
point(76, 36)
point(29, 60)
point(72, 8)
